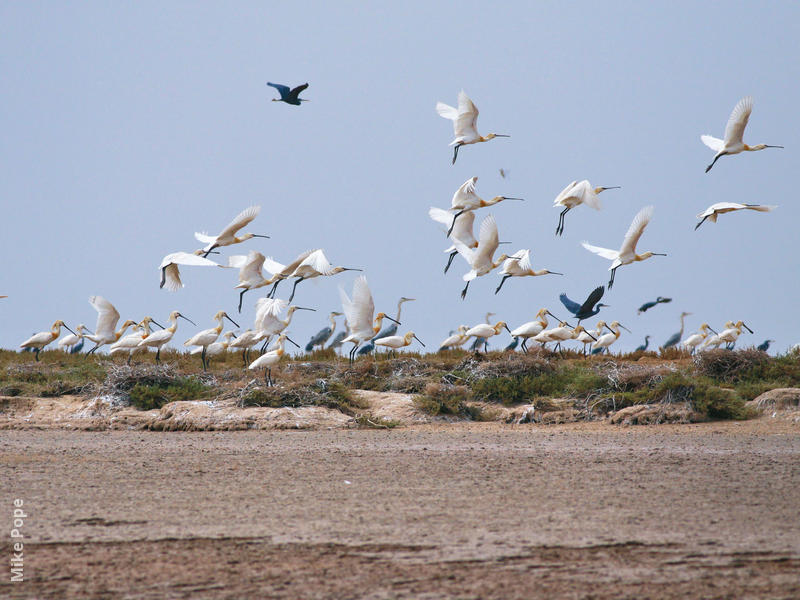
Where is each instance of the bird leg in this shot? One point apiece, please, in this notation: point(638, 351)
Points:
point(716, 158)
point(453, 224)
point(501, 283)
point(203, 358)
point(450, 260)
point(241, 295)
point(36, 354)
point(455, 152)
point(524, 345)
point(560, 227)
point(128, 362)
point(209, 251)
point(271, 293)
point(158, 355)
point(464, 291)
point(700, 223)
point(295, 287)
point(611, 281)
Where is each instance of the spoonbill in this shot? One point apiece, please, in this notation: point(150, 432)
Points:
point(627, 252)
point(479, 341)
point(558, 334)
point(159, 338)
point(731, 334)
point(676, 337)
point(532, 328)
point(575, 194)
point(695, 339)
point(315, 264)
point(280, 272)
point(358, 313)
point(455, 339)
point(130, 343)
point(392, 329)
point(323, 335)
point(68, 342)
point(216, 348)
point(465, 122)
point(466, 200)
point(714, 341)
point(519, 265)
point(107, 317)
point(208, 336)
point(604, 341)
point(244, 342)
point(290, 96)
point(39, 340)
point(480, 259)
point(587, 338)
point(267, 322)
point(397, 341)
point(590, 307)
point(251, 275)
point(648, 305)
point(271, 358)
point(462, 229)
point(171, 276)
point(720, 208)
point(734, 130)
point(228, 235)
point(485, 330)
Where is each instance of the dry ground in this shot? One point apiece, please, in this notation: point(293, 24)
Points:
point(470, 510)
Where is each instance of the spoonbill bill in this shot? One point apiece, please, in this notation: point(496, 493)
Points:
point(734, 131)
point(208, 336)
point(575, 194)
point(466, 200)
point(315, 264)
point(465, 122)
point(648, 305)
point(271, 358)
point(480, 258)
point(159, 338)
point(720, 208)
point(627, 252)
point(323, 335)
point(227, 236)
point(358, 313)
point(590, 307)
point(289, 95)
point(519, 265)
point(39, 340)
point(171, 276)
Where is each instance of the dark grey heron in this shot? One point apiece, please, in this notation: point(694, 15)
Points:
point(648, 305)
point(764, 346)
point(590, 307)
point(289, 95)
point(644, 346)
point(675, 338)
point(323, 335)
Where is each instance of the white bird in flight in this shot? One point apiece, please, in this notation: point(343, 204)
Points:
point(575, 194)
point(465, 199)
point(315, 264)
point(465, 122)
point(171, 276)
point(481, 258)
point(627, 252)
point(358, 313)
point(251, 275)
point(280, 272)
point(228, 235)
point(107, 318)
point(462, 229)
point(720, 208)
point(734, 130)
point(519, 265)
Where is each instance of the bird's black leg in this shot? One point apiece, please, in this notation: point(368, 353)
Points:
point(453, 224)
point(158, 355)
point(203, 358)
point(485, 346)
point(611, 281)
point(716, 158)
point(700, 223)
point(501, 283)
point(295, 287)
point(524, 345)
point(128, 362)
point(455, 152)
point(274, 288)
point(464, 291)
point(450, 260)
point(209, 251)
point(241, 295)
point(560, 228)
point(36, 354)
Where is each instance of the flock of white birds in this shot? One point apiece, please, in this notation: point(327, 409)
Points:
point(363, 327)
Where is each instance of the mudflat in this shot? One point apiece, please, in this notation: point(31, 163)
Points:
point(464, 510)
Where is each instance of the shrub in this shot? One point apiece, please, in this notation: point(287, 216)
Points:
point(444, 399)
point(727, 365)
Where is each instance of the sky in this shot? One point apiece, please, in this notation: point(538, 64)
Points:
point(129, 126)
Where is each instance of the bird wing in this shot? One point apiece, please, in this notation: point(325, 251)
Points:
point(107, 317)
point(604, 252)
point(251, 269)
point(204, 238)
point(296, 91)
point(586, 193)
point(467, 122)
point(720, 206)
point(440, 215)
point(734, 130)
point(363, 303)
point(186, 258)
point(446, 111)
point(524, 261)
point(273, 266)
point(171, 278)
point(715, 144)
point(593, 298)
point(564, 194)
point(488, 240)
point(242, 219)
point(464, 250)
point(292, 266)
point(317, 261)
point(237, 261)
point(571, 306)
point(636, 230)
point(283, 90)
point(463, 228)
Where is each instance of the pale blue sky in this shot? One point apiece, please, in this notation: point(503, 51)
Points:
point(127, 127)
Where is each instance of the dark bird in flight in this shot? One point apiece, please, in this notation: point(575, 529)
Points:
point(648, 305)
point(588, 308)
point(290, 96)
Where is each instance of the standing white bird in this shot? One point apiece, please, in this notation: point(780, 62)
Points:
point(627, 252)
point(465, 122)
point(251, 275)
point(271, 358)
point(130, 343)
point(68, 341)
point(358, 314)
point(519, 265)
point(604, 341)
point(714, 340)
point(245, 341)
point(695, 339)
point(734, 131)
point(720, 208)
point(466, 200)
point(159, 338)
point(227, 236)
point(731, 334)
point(481, 258)
point(208, 336)
point(398, 341)
point(455, 340)
point(532, 328)
point(587, 338)
point(575, 194)
point(39, 340)
point(315, 264)
point(171, 276)
point(485, 330)
point(107, 317)
point(216, 348)
point(462, 229)
point(558, 334)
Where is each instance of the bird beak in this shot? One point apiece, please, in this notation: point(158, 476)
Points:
point(391, 319)
point(713, 331)
point(501, 135)
point(552, 315)
point(554, 273)
point(607, 327)
point(188, 319)
point(612, 187)
point(67, 327)
point(590, 335)
point(291, 340)
point(746, 327)
point(261, 236)
point(506, 328)
point(498, 243)
point(233, 334)
point(231, 320)
point(768, 146)
point(350, 269)
point(625, 328)
point(507, 198)
point(658, 254)
point(419, 340)
point(89, 330)
point(301, 308)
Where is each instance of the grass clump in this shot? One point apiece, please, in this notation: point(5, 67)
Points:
point(322, 393)
point(564, 381)
point(145, 396)
point(445, 399)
